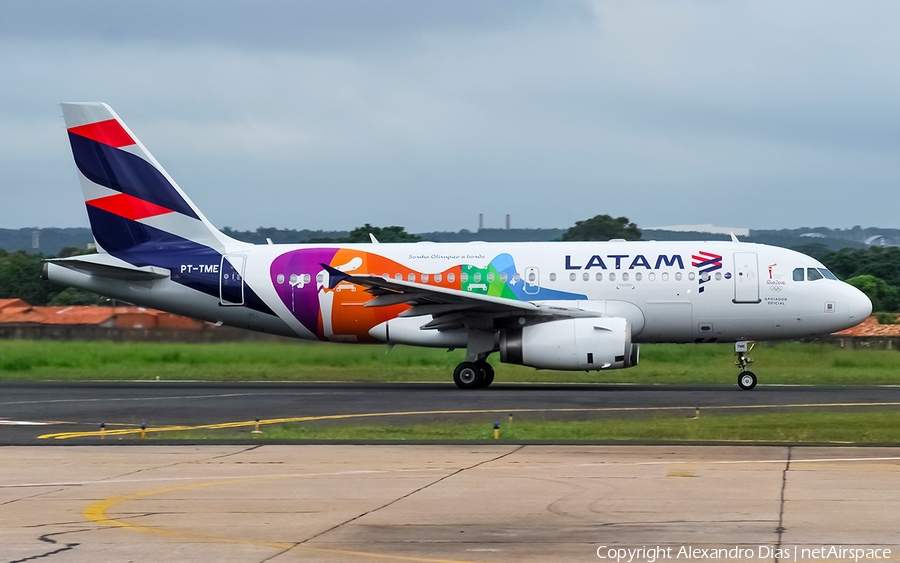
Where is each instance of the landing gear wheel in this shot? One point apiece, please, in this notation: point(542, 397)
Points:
point(468, 375)
point(487, 373)
point(747, 380)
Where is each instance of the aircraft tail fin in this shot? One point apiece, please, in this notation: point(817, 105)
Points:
point(131, 201)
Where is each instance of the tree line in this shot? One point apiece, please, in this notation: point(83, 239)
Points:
point(875, 270)
point(20, 278)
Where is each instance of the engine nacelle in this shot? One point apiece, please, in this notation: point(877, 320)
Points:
point(408, 330)
point(571, 344)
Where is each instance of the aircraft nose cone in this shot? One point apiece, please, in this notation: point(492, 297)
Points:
point(860, 306)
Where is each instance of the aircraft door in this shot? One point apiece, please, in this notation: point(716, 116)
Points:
point(746, 278)
point(231, 280)
point(532, 280)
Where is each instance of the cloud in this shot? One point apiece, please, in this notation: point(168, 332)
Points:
point(425, 114)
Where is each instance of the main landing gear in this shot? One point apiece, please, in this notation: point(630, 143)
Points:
point(475, 372)
point(746, 379)
point(471, 375)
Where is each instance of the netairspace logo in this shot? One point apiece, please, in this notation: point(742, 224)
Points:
point(687, 552)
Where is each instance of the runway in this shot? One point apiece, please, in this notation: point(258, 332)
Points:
point(31, 410)
point(469, 503)
point(451, 504)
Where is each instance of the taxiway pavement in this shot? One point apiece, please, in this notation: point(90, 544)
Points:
point(30, 410)
point(451, 504)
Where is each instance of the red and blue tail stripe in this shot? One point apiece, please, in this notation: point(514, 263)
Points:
point(109, 166)
point(137, 213)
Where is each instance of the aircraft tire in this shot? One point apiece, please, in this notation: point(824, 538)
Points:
point(468, 375)
point(487, 373)
point(747, 380)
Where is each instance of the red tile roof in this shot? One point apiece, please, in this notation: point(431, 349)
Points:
point(870, 327)
point(75, 315)
point(18, 311)
point(4, 303)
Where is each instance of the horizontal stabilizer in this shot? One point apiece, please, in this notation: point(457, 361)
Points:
point(99, 265)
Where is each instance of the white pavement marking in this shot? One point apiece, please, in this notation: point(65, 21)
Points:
point(166, 398)
point(21, 423)
point(752, 461)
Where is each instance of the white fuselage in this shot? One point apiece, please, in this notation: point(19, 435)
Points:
point(748, 290)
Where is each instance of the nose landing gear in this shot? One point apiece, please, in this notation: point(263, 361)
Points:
point(746, 379)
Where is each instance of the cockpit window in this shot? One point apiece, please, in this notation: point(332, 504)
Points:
point(813, 274)
point(798, 274)
point(828, 274)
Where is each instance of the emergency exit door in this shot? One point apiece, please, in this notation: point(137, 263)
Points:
point(746, 278)
point(532, 280)
point(231, 280)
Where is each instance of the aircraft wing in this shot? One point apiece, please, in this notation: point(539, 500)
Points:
point(451, 308)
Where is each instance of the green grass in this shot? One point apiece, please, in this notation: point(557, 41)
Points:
point(789, 363)
point(869, 427)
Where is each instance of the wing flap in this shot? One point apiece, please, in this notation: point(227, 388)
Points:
point(451, 308)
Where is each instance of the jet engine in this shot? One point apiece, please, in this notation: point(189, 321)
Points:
point(571, 344)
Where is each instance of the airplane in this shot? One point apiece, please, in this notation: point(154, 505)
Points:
point(551, 305)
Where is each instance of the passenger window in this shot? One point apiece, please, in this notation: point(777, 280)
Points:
point(691, 276)
point(451, 277)
point(624, 276)
point(464, 277)
point(504, 277)
point(637, 276)
point(411, 277)
point(612, 276)
point(677, 276)
point(665, 276)
point(424, 278)
point(552, 277)
point(651, 276)
point(813, 274)
point(437, 278)
point(477, 277)
point(798, 274)
point(585, 276)
point(828, 274)
point(572, 276)
point(516, 277)
point(599, 276)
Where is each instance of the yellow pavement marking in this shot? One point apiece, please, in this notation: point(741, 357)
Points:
point(65, 435)
point(97, 512)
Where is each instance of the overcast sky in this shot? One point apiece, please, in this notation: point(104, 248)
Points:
point(328, 115)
